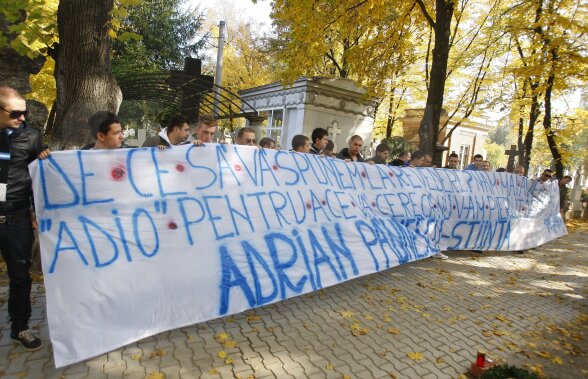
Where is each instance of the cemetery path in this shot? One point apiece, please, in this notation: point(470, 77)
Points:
point(426, 319)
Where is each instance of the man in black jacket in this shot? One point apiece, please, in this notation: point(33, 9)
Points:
point(19, 146)
point(352, 153)
point(176, 133)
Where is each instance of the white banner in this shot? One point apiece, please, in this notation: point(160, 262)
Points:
point(135, 242)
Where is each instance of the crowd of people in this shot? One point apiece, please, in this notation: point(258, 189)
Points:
point(20, 145)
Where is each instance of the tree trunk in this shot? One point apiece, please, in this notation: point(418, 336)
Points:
point(391, 115)
point(429, 127)
point(82, 71)
point(549, 133)
point(533, 117)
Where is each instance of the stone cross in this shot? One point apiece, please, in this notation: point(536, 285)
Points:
point(334, 130)
point(512, 153)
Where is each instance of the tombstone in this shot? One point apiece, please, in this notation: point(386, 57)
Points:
point(334, 131)
point(576, 196)
point(512, 153)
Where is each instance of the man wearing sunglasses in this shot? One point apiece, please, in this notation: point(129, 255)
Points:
point(246, 136)
point(19, 146)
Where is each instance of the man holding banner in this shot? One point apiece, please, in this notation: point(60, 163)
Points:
point(19, 146)
point(106, 128)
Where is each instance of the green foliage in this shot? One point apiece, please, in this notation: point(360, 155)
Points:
point(153, 35)
point(495, 155)
point(500, 135)
point(32, 26)
point(397, 145)
point(506, 371)
point(156, 34)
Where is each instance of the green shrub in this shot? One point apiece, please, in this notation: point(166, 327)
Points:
point(506, 371)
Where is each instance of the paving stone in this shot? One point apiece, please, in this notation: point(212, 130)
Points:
point(303, 336)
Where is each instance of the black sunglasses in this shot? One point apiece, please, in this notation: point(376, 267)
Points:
point(15, 114)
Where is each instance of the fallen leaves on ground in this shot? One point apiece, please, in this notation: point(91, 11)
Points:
point(329, 367)
point(501, 318)
point(157, 353)
point(544, 354)
point(393, 330)
point(557, 360)
point(221, 354)
point(347, 314)
point(415, 355)
point(156, 375)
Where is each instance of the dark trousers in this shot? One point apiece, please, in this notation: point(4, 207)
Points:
point(16, 241)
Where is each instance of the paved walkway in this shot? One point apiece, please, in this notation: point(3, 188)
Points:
point(426, 319)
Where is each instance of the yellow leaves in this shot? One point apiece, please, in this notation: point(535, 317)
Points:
point(253, 318)
point(511, 345)
point(557, 360)
point(157, 353)
point(544, 354)
point(368, 317)
point(329, 367)
point(156, 375)
point(501, 318)
point(537, 369)
point(426, 315)
point(393, 330)
point(230, 344)
point(221, 354)
point(212, 371)
point(487, 333)
point(222, 337)
point(347, 314)
point(229, 361)
point(387, 318)
point(136, 357)
point(357, 330)
point(532, 345)
point(21, 375)
point(415, 356)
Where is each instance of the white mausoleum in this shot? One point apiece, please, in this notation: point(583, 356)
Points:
point(332, 103)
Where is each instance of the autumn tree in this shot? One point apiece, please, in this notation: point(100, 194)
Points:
point(550, 37)
point(369, 42)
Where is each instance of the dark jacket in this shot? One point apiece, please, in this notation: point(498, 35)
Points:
point(155, 141)
point(314, 150)
point(344, 154)
point(25, 145)
point(377, 160)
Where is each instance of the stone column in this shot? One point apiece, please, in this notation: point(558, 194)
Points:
point(576, 195)
point(255, 122)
